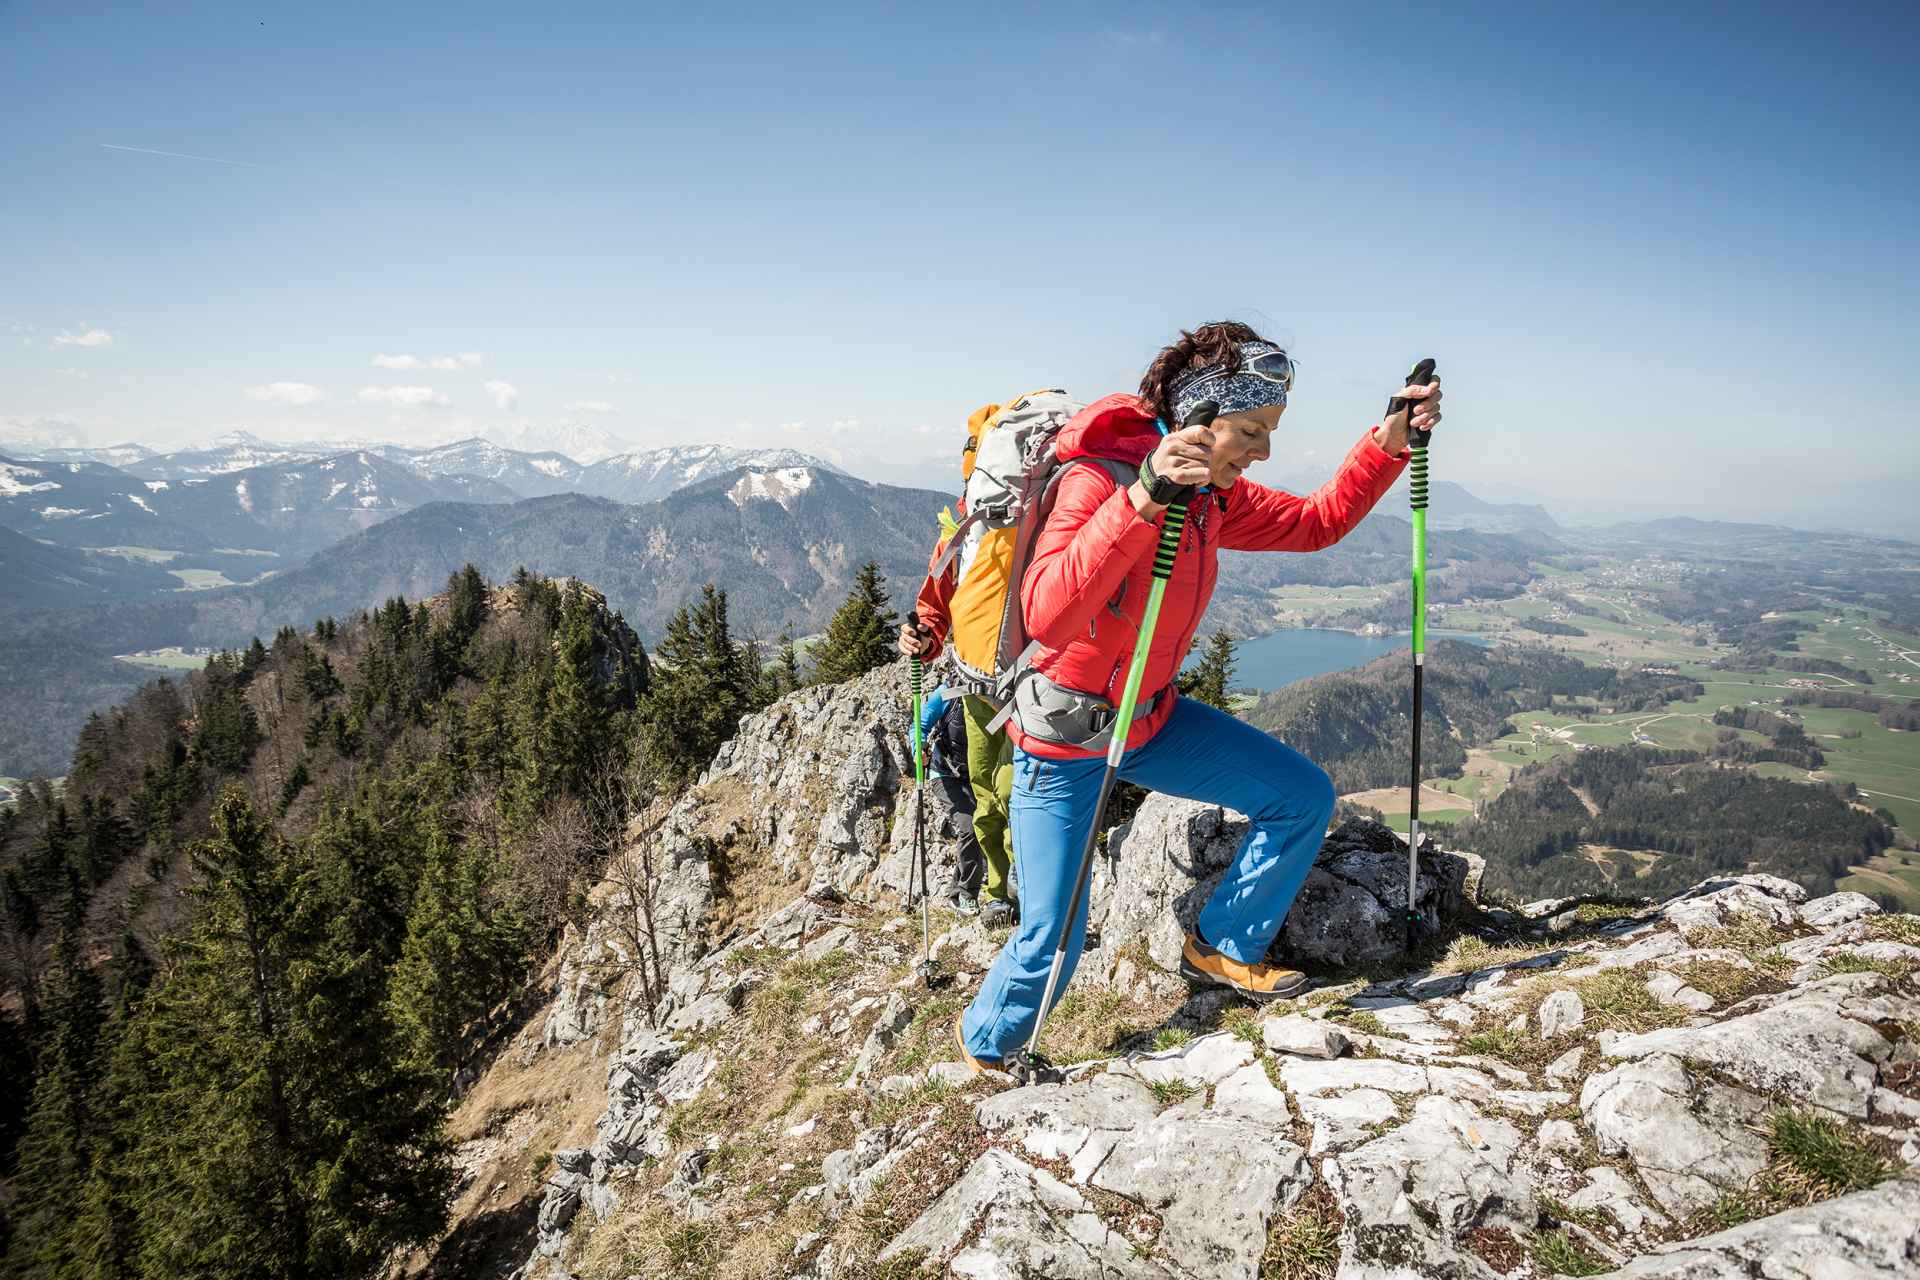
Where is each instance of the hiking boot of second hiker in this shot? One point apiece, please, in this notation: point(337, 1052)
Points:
point(999, 914)
point(1201, 964)
point(963, 902)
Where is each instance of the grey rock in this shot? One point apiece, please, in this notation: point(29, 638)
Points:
point(1412, 1196)
point(1609, 1192)
point(1838, 908)
point(1559, 1136)
point(1804, 1048)
point(826, 944)
point(1866, 1234)
point(896, 1017)
point(1350, 911)
point(1560, 1013)
point(1723, 900)
point(1006, 1218)
point(704, 1014)
point(1566, 1068)
point(1690, 1141)
point(1304, 1037)
point(1306, 1076)
point(1345, 1120)
point(1080, 1123)
point(1198, 1062)
point(1668, 989)
point(685, 1079)
point(1215, 1180)
point(1248, 1092)
point(955, 1075)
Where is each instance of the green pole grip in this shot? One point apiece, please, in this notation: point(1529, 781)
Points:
point(1417, 494)
point(1171, 527)
point(919, 753)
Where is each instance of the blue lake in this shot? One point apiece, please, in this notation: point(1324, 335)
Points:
point(1282, 657)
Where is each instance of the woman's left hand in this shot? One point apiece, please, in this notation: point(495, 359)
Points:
point(1423, 404)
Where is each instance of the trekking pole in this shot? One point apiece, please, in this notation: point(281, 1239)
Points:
point(1172, 524)
point(920, 832)
point(1417, 496)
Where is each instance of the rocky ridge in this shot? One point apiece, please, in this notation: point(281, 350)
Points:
point(1725, 1084)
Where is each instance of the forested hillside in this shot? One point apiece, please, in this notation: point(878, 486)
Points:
point(252, 948)
point(1648, 822)
point(1356, 724)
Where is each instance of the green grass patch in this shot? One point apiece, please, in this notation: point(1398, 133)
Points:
point(1304, 1244)
point(1815, 1157)
point(1172, 1038)
point(1854, 962)
point(1895, 928)
point(1171, 1091)
point(1559, 1254)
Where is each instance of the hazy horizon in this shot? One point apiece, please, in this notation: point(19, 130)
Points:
point(1663, 259)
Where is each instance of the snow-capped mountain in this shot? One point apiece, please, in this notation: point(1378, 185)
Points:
point(651, 474)
point(530, 475)
point(586, 445)
point(290, 508)
point(114, 455)
point(233, 451)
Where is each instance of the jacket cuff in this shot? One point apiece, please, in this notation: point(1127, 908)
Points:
point(1371, 448)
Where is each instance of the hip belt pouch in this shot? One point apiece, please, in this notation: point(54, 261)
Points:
point(1067, 717)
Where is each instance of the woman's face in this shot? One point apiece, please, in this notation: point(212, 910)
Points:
point(1240, 440)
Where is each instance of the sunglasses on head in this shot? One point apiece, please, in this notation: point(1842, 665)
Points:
point(1271, 366)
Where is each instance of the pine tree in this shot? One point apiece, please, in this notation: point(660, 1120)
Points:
point(574, 731)
point(286, 1135)
point(700, 689)
point(787, 665)
point(861, 636)
point(61, 1128)
point(462, 952)
point(1211, 679)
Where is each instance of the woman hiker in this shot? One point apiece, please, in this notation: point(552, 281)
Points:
point(1083, 596)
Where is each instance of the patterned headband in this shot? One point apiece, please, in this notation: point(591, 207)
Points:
point(1264, 377)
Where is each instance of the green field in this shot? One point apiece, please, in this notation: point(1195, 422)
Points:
point(1399, 822)
point(1897, 871)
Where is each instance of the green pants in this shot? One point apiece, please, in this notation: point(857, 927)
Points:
point(990, 770)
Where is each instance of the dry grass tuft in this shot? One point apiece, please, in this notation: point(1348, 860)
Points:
point(1469, 953)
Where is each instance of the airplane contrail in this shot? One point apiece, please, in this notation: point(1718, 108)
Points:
point(181, 155)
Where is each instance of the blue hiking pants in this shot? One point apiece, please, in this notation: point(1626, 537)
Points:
point(1201, 754)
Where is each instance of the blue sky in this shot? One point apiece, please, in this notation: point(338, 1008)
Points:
point(1666, 260)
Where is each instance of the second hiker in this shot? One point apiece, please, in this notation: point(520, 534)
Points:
point(989, 750)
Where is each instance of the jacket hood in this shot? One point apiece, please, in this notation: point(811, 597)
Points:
point(1117, 427)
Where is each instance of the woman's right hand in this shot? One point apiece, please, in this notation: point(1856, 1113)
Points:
point(1184, 457)
point(914, 642)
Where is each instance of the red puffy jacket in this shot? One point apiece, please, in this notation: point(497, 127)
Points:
point(1096, 550)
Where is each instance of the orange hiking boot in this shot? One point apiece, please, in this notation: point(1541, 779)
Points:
point(1202, 965)
point(960, 1041)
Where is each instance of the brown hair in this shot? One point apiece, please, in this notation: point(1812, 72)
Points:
point(1217, 343)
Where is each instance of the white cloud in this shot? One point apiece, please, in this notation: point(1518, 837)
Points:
point(418, 396)
point(451, 364)
point(504, 394)
point(85, 338)
point(286, 393)
point(590, 406)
